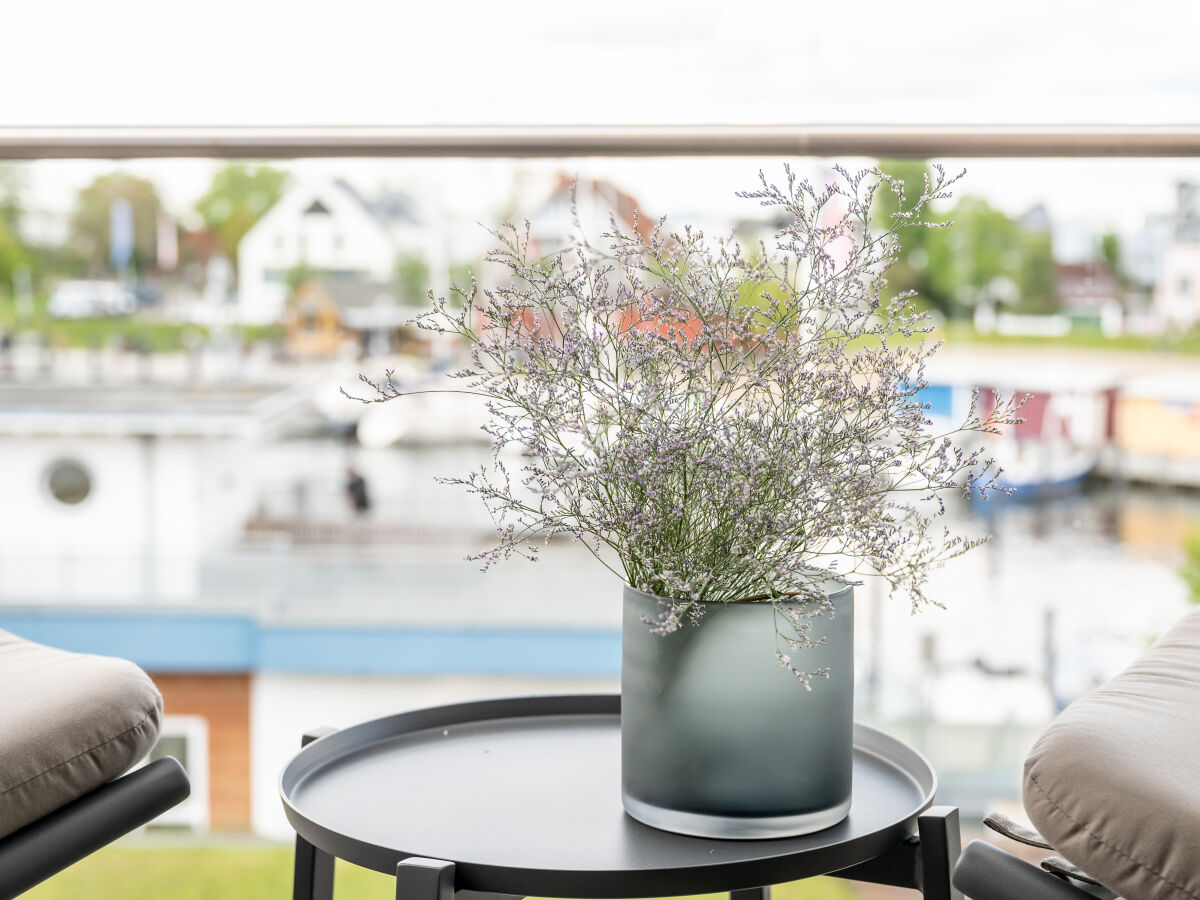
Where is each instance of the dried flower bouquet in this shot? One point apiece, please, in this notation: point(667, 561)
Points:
point(717, 423)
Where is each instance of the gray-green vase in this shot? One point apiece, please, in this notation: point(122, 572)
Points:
point(718, 739)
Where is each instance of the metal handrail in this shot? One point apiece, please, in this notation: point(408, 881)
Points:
point(513, 141)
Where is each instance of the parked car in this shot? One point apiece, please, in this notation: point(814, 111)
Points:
point(146, 293)
point(84, 299)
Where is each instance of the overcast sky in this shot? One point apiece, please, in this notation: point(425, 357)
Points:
point(654, 61)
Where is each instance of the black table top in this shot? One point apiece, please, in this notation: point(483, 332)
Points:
point(524, 797)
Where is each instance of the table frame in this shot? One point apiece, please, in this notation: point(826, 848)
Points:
point(923, 862)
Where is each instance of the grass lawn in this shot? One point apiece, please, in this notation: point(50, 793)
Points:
point(154, 335)
point(1186, 343)
point(144, 870)
point(161, 336)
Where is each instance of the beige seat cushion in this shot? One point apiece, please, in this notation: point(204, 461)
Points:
point(69, 722)
point(1114, 783)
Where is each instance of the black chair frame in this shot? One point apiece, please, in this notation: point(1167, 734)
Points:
point(65, 836)
point(985, 872)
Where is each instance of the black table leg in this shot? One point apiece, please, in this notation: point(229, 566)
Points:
point(418, 878)
point(313, 875)
point(924, 862)
point(941, 846)
point(758, 893)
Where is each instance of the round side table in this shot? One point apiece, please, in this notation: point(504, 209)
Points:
point(522, 797)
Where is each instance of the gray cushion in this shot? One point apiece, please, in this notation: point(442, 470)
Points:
point(69, 722)
point(1114, 783)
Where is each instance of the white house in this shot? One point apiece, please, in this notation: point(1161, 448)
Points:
point(1177, 294)
point(552, 222)
point(330, 229)
point(1177, 285)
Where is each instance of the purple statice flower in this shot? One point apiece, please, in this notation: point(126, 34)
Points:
point(717, 423)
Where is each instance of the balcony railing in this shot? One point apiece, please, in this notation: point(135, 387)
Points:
point(510, 141)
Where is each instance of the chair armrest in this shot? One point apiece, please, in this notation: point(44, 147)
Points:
point(985, 872)
point(83, 826)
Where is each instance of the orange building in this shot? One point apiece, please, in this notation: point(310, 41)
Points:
point(219, 704)
point(325, 313)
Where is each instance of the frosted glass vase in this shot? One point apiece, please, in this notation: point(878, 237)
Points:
point(718, 739)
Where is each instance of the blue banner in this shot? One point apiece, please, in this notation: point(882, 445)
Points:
point(120, 242)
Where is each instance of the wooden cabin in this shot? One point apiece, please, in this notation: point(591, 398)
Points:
point(326, 316)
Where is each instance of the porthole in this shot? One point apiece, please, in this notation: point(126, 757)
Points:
point(68, 482)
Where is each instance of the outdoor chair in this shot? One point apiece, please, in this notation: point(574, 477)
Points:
point(70, 724)
point(1113, 785)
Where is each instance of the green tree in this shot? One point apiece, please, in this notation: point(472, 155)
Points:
point(1109, 250)
point(237, 198)
point(461, 274)
point(986, 251)
point(14, 252)
point(412, 279)
point(1035, 280)
point(297, 275)
point(921, 254)
point(1190, 572)
point(91, 229)
point(12, 181)
point(984, 255)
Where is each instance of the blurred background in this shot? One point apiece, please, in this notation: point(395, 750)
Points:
point(182, 482)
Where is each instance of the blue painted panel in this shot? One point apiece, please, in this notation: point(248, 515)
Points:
point(420, 651)
point(190, 643)
point(163, 643)
point(940, 398)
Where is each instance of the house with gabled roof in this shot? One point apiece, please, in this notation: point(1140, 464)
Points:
point(594, 200)
point(327, 229)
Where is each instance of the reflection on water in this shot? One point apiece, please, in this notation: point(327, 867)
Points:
point(306, 479)
point(1068, 591)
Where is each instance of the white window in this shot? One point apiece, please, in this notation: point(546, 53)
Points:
point(186, 739)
